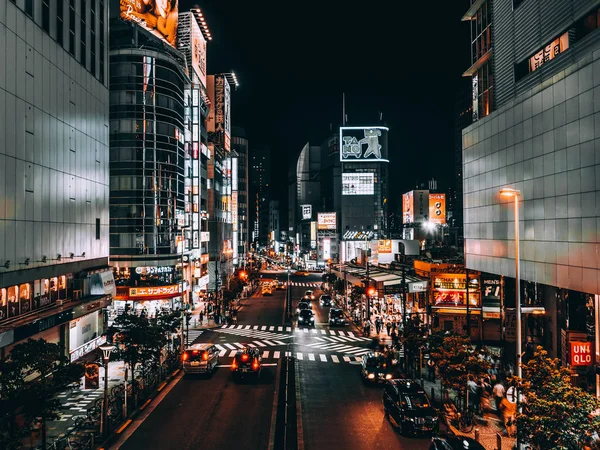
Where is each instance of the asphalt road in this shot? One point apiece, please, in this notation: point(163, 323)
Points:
point(338, 411)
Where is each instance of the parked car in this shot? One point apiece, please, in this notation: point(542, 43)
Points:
point(406, 403)
point(200, 358)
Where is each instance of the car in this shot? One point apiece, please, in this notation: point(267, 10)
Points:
point(246, 361)
point(200, 358)
point(325, 300)
point(306, 317)
point(309, 294)
point(374, 368)
point(406, 403)
point(301, 273)
point(336, 317)
point(454, 443)
point(302, 306)
point(267, 289)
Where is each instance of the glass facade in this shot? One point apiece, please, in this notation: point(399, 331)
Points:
point(147, 154)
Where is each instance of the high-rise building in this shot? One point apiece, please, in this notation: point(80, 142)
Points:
point(54, 188)
point(260, 179)
point(239, 144)
point(541, 138)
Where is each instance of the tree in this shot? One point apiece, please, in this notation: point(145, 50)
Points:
point(414, 337)
point(236, 286)
point(554, 414)
point(340, 286)
point(34, 400)
point(456, 359)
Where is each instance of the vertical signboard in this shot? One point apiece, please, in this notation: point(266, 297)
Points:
point(437, 208)
point(198, 52)
point(581, 353)
point(415, 206)
point(227, 117)
point(407, 208)
point(490, 287)
point(475, 94)
point(306, 212)
point(222, 113)
point(326, 249)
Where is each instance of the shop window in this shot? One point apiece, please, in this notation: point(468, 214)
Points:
point(3, 304)
point(25, 297)
point(53, 283)
point(13, 301)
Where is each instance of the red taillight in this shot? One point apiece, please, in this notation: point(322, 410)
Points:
point(195, 352)
point(255, 365)
point(233, 364)
point(184, 357)
point(244, 357)
point(205, 356)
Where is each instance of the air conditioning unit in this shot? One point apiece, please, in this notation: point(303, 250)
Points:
point(76, 294)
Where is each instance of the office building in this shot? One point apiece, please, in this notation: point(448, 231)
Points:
point(239, 144)
point(54, 188)
point(260, 178)
point(540, 137)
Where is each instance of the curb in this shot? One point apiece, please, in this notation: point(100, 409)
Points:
point(116, 434)
point(273, 425)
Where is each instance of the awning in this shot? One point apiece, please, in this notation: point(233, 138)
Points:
point(472, 12)
point(457, 311)
point(385, 277)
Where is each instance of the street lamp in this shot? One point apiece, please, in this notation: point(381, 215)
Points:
point(106, 351)
point(510, 192)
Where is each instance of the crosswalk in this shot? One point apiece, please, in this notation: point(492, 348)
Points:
point(228, 347)
point(252, 333)
point(308, 285)
point(270, 331)
point(339, 348)
point(193, 335)
point(268, 356)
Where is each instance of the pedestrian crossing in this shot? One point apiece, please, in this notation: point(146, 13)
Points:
point(232, 347)
point(308, 285)
point(193, 335)
point(315, 357)
point(340, 348)
point(270, 331)
point(251, 333)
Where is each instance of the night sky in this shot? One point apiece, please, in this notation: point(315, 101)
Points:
point(293, 60)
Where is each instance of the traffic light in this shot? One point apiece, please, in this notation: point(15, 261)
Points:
point(243, 275)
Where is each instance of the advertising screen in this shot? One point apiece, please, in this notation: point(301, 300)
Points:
point(326, 221)
point(437, 208)
point(358, 184)
point(198, 52)
point(159, 17)
point(407, 208)
point(384, 246)
point(415, 206)
point(306, 212)
point(363, 144)
point(326, 249)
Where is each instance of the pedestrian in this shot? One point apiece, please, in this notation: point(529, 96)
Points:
point(378, 325)
point(473, 393)
point(431, 369)
point(367, 328)
point(498, 392)
point(388, 326)
point(201, 316)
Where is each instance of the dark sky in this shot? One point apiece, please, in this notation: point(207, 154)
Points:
point(294, 59)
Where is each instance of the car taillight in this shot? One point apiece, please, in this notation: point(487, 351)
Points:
point(244, 357)
point(234, 364)
point(205, 356)
point(255, 365)
point(184, 357)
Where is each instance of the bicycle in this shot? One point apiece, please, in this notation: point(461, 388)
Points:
point(466, 421)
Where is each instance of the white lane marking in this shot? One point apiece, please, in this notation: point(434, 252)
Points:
point(260, 344)
point(288, 329)
point(311, 357)
point(323, 331)
point(224, 326)
point(247, 327)
point(276, 355)
point(332, 332)
point(220, 347)
point(252, 345)
point(280, 343)
point(271, 328)
point(346, 359)
point(350, 333)
point(288, 354)
point(263, 327)
point(358, 358)
point(268, 342)
point(239, 327)
point(313, 331)
point(356, 351)
point(229, 346)
point(232, 354)
point(265, 354)
point(255, 327)
point(222, 353)
point(279, 328)
point(341, 333)
point(264, 365)
point(305, 330)
point(238, 345)
point(335, 359)
point(300, 356)
point(323, 358)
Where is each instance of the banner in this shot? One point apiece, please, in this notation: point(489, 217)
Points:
point(159, 17)
point(326, 221)
point(437, 208)
point(581, 353)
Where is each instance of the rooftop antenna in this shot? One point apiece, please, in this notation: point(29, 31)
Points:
point(343, 109)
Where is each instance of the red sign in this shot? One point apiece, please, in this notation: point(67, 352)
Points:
point(581, 353)
point(204, 258)
point(449, 298)
point(155, 291)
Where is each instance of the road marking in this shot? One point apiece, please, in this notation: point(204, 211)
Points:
point(219, 347)
point(335, 359)
point(239, 327)
point(224, 326)
point(357, 350)
point(271, 328)
point(280, 343)
point(313, 331)
point(288, 354)
point(229, 346)
point(323, 332)
point(260, 344)
point(358, 358)
point(232, 354)
point(276, 355)
point(238, 345)
point(263, 327)
point(300, 356)
point(341, 333)
point(323, 358)
point(279, 328)
point(222, 353)
point(255, 327)
point(288, 329)
point(311, 357)
point(268, 342)
point(332, 332)
point(252, 345)
point(265, 354)
point(305, 330)
point(350, 333)
point(346, 358)
point(247, 327)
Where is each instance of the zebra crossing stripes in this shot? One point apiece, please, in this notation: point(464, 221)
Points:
point(300, 284)
point(335, 359)
point(192, 335)
point(300, 356)
point(340, 348)
point(253, 334)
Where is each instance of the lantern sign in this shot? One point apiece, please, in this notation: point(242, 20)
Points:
point(581, 353)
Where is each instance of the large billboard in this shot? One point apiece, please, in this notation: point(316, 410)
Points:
point(159, 17)
point(198, 52)
point(358, 183)
point(415, 206)
point(222, 124)
point(306, 212)
point(363, 144)
point(437, 208)
point(326, 221)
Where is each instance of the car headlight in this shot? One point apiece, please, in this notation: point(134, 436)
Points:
point(410, 418)
point(388, 376)
point(371, 376)
point(298, 310)
point(434, 418)
point(300, 319)
point(312, 319)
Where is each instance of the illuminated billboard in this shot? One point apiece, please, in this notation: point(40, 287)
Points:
point(384, 246)
point(221, 96)
point(306, 212)
point(198, 52)
point(326, 249)
point(358, 184)
point(415, 206)
point(326, 221)
point(159, 17)
point(363, 144)
point(437, 208)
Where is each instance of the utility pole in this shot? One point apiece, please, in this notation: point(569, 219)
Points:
point(403, 299)
point(468, 328)
point(368, 285)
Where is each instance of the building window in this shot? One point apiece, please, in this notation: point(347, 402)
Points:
point(101, 33)
point(83, 31)
point(483, 89)
point(97, 229)
point(59, 22)
point(72, 27)
point(481, 33)
point(46, 15)
point(29, 7)
point(516, 3)
point(93, 38)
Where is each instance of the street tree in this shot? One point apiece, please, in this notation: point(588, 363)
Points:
point(339, 286)
point(34, 400)
point(413, 338)
point(554, 413)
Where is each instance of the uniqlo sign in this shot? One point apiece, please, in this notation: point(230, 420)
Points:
point(581, 353)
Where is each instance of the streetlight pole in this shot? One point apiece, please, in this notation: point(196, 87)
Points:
point(288, 303)
point(509, 192)
point(106, 351)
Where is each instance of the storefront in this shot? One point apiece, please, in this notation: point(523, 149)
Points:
point(151, 301)
point(85, 335)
